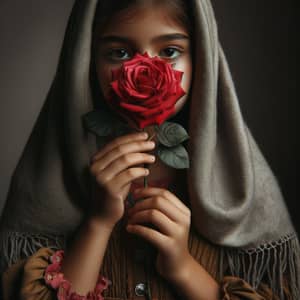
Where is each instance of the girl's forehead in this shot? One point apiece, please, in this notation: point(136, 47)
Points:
point(146, 17)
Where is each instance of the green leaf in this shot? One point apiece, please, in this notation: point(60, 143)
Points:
point(171, 134)
point(176, 157)
point(102, 124)
point(120, 128)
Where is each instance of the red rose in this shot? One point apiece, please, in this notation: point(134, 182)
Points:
point(145, 90)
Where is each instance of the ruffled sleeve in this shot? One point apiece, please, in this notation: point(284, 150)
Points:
point(25, 279)
point(234, 288)
point(40, 278)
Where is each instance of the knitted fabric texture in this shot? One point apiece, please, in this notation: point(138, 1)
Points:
point(234, 197)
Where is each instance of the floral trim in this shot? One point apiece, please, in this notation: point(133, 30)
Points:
point(56, 280)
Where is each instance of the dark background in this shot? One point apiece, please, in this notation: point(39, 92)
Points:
point(259, 39)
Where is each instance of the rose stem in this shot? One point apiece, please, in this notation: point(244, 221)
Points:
point(146, 165)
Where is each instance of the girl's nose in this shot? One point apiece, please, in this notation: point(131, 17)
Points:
point(150, 52)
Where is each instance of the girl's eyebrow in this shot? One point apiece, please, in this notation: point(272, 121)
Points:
point(171, 37)
point(161, 38)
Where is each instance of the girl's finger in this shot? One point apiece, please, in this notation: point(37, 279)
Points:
point(156, 218)
point(127, 176)
point(125, 162)
point(163, 205)
point(151, 235)
point(121, 151)
point(152, 192)
point(133, 137)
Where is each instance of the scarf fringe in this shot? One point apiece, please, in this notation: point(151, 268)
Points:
point(276, 264)
point(19, 245)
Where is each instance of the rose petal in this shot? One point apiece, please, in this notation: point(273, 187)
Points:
point(145, 90)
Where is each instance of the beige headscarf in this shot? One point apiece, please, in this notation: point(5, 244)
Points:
point(235, 199)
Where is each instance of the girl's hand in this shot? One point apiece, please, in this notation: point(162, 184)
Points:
point(114, 168)
point(171, 219)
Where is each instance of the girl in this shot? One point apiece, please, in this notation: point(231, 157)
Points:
point(219, 230)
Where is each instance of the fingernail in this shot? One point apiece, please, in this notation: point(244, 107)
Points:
point(151, 144)
point(145, 135)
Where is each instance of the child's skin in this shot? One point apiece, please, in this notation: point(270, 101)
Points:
point(121, 161)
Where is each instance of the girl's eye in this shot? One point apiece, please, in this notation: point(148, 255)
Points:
point(118, 54)
point(170, 53)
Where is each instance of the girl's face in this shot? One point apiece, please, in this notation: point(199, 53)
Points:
point(143, 30)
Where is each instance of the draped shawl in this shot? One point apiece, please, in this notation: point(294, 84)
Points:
point(235, 200)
